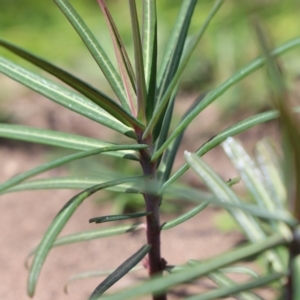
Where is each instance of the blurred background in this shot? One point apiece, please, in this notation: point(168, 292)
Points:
point(228, 44)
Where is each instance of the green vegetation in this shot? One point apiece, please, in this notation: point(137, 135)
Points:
point(145, 81)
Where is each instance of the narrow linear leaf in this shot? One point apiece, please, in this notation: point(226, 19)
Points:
point(220, 137)
point(192, 46)
point(184, 217)
point(90, 235)
point(63, 96)
point(125, 67)
point(253, 210)
point(122, 270)
point(253, 179)
point(75, 183)
point(96, 234)
point(269, 165)
point(95, 49)
point(57, 225)
point(169, 156)
point(139, 63)
point(175, 43)
point(60, 162)
point(238, 76)
point(171, 60)
point(93, 274)
point(149, 39)
point(160, 133)
point(227, 291)
point(59, 139)
point(249, 172)
point(221, 280)
point(191, 213)
point(112, 218)
point(240, 270)
point(174, 47)
point(84, 88)
point(158, 285)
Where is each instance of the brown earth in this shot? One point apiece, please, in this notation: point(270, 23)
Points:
point(26, 215)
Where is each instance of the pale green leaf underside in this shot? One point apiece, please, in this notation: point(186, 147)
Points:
point(74, 183)
point(60, 162)
point(68, 98)
point(58, 139)
point(91, 235)
point(218, 187)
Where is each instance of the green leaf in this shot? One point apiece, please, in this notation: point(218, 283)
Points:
point(58, 139)
point(84, 88)
point(139, 64)
point(92, 274)
point(60, 162)
point(113, 218)
point(253, 179)
point(171, 60)
point(240, 270)
point(174, 46)
point(269, 166)
point(149, 39)
point(169, 157)
point(57, 225)
point(90, 235)
point(95, 49)
point(220, 279)
point(159, 284)
point(125, 67)
point(189, 214)
point(249, 172)
point(63, 96)
point(160, 133)
point(237, 288)
point(122, 270)
point(192, 46)
point(184, 217)
point(96, 234)
point(75, 183)
point(238, 76)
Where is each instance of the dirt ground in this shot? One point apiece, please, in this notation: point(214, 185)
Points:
point(26, 215)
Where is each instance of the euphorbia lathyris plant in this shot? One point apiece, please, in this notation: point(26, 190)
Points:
point(141, 111)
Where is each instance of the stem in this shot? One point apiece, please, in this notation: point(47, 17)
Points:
point(156, 262)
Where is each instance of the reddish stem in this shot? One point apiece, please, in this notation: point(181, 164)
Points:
point(156, 263)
